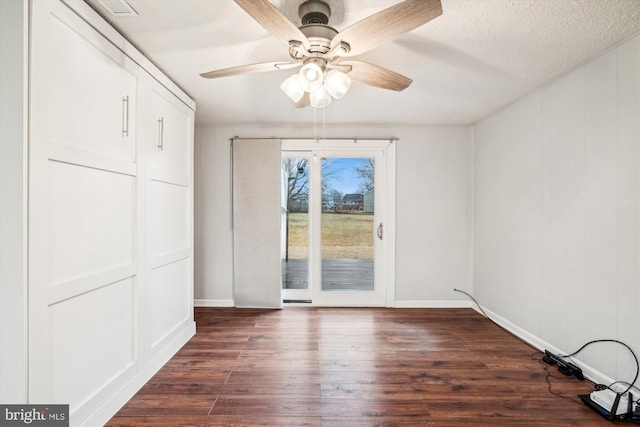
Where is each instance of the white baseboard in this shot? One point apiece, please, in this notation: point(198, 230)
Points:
point(214, 303)
point(112, 405)
point(588, 372)
point(432, 304)
point(397, 304)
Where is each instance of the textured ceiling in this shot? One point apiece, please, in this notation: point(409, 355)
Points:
point(477, 57)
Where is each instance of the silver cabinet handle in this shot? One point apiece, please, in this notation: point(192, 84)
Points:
point(125, 116)
point(379, 231)
point(161, 134)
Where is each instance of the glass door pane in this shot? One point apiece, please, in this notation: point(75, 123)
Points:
point(347, 224)
point(295, 228)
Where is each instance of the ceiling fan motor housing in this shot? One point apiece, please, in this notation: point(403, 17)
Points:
point(314, 15)
point(314, 12)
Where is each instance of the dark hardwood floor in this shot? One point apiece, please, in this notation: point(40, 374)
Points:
point(305, 366)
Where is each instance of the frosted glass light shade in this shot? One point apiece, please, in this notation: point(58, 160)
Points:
point(337, 83)
point(320, 97)
point(311, 76)
point(291, 86)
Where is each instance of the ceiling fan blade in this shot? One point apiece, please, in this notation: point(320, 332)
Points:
point(252, 68)
point(386, 25)
point(375, 75)
point(274, 21)
point(305, 101)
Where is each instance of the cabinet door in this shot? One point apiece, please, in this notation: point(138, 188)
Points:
point(168, 296)
point(82, 213)
point(167, 154)
point(90, 87)
point(166, 177)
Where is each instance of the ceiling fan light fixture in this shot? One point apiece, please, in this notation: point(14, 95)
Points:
point(337, 83)
point(311, 76)
point(291, 86)
point(317, 48)
point(320, 97)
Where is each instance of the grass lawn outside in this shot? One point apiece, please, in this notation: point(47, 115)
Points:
point(344, 236)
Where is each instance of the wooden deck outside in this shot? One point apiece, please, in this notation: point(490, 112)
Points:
point(337, 274)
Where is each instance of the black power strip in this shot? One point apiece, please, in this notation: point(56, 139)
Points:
point(564, 366)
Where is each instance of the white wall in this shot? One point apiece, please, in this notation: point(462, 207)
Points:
point(432, 214)
point(213, 235)
point(557, 212)
point(13, 294)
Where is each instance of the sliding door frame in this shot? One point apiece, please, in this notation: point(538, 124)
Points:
point(385, 210)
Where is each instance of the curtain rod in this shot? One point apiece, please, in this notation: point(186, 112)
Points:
point(353, 138)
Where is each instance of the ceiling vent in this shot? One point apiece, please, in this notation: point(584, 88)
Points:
point(118, 7)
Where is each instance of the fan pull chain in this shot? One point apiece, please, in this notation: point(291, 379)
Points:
point(324, 124)
point(315, 127)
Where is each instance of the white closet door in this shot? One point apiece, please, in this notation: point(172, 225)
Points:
point(165, 126)
point(82, 213)
point(256, 223)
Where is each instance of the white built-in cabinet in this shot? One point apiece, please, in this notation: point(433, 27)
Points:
point(165, 172)
point(110, 215)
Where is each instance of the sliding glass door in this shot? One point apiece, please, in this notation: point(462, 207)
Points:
point(295, 226)
point(333, 249)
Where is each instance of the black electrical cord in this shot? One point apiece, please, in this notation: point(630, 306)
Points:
point(631, 384)
point(548, 375)
point(537, 356)
point(622, 382)
point(474, 300)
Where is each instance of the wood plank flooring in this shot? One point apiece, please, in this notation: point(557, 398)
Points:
point(306, 366)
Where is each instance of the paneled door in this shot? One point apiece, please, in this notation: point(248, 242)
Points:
point(335, 212)
point(166, 240)
point(83, 174)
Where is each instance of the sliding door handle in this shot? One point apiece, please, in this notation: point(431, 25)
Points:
point(379, 231)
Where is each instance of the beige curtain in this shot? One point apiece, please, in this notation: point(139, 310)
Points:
point(256, 222)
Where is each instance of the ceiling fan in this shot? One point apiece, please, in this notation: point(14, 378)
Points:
point(320, 51)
